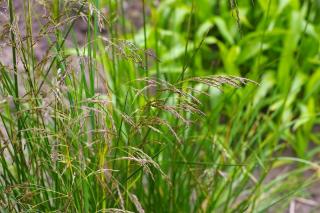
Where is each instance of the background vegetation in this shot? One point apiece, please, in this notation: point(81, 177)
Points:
point(149, 108)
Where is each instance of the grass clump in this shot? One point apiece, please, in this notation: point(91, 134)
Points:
point(155, 119)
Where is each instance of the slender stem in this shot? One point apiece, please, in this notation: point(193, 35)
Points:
point(145, 38)
point(16, 96)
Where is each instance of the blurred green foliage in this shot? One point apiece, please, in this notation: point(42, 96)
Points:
point(275, 43)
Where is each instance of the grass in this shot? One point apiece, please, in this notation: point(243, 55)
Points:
point(165, 117)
